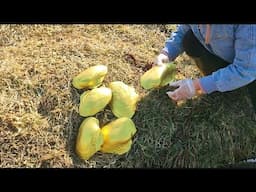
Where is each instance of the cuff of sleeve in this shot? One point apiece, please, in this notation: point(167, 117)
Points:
point(165, 50)
point(208, 84)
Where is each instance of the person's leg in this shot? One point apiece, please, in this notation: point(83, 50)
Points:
point(205, 61)
point(252, 91)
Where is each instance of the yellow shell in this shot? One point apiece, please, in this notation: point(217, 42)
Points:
point(89, 139)
point(93, 101)
point(91, 77)
point(117, 135)
point(158, 76)
point(118, 149)
point(124, 99)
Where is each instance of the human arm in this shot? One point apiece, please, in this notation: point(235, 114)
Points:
point(242, 70)
point(239, 73)
point(173, 46)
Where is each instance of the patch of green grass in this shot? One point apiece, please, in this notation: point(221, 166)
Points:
point(207, 132)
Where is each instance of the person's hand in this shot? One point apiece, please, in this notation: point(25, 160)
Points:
point(161, 59)
point(186, 90)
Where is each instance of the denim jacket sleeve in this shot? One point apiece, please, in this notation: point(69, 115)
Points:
point(243, 69)
point(173, 45)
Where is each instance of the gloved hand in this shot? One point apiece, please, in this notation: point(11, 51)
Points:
point(161, 59)
point(185, 90)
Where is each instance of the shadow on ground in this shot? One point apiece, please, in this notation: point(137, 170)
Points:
point(206, 132)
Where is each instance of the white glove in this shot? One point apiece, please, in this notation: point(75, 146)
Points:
point(161, 59)
point(185, 90)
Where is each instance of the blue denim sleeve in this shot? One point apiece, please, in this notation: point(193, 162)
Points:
point(173, 45)
point(243, 69)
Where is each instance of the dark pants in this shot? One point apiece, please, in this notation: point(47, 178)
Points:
point(207, 62)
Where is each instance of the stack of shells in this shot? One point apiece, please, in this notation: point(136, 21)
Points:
point(116, 136)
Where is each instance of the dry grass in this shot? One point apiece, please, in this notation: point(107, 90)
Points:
point(39, 116)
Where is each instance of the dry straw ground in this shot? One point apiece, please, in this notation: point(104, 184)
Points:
point(39, 116)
